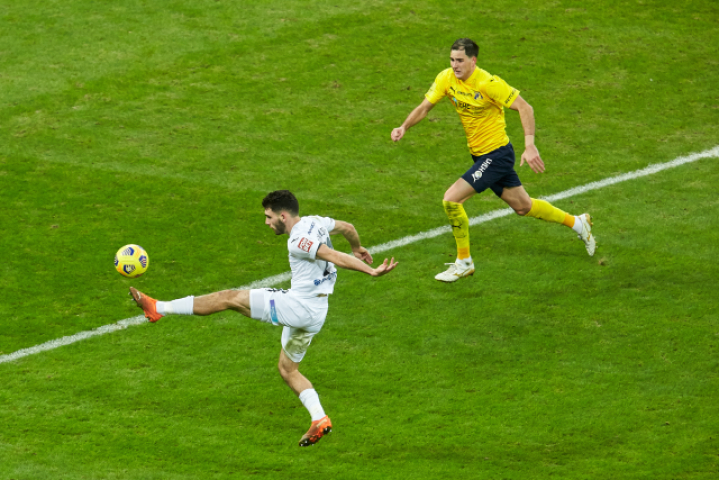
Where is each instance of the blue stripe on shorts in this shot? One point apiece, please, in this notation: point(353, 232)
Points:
point(273, 313)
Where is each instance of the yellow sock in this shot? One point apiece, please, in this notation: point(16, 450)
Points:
point(569, 220)
point(460, 227)
point(546, 211)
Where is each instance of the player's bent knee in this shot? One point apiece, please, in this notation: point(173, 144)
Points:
point(522, 211)
point(285, 373)
point(238, 300)
point(451, 196)
point(520, 208)
point(286, 366)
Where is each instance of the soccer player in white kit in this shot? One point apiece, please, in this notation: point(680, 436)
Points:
point(302, 309)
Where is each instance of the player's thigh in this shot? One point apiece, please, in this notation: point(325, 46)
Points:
point(239, 300)
point(296, 341)
point(459, 192)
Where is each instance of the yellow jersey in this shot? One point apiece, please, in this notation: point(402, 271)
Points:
point(480, 102)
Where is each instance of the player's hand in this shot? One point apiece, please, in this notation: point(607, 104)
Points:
point(398, 133)
point(531, 156)
point(363, 255)
point(384, 268)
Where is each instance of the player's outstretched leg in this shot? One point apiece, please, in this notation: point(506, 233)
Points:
point(581, 224)
point(238, 300)
point(317, 430)
point(147, 304)
point(518, 199)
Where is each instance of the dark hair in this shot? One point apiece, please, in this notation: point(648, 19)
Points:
point(470, 48)
point(281, 200)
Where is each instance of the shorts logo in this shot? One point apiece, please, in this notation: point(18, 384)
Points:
point(305, 245)
point(480, 171)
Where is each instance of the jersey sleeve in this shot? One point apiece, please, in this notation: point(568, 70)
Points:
point(499, 91)
point(328, 223)
point(304, 246)
point(438, 89)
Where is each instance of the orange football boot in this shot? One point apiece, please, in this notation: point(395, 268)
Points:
point(317, 430)
point(147, 304)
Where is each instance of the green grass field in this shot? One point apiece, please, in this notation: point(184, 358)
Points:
point(166, 123)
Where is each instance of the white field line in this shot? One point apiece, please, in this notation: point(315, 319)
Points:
point(650, 170)
point(61, 342)
point(283, 277)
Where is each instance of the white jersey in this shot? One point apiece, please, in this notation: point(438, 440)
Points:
point(310, 275)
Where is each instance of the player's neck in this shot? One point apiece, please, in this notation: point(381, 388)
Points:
point(470, 75)
point(290, 223)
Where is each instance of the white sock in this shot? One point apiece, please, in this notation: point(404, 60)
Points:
point(311, 401)
point(182, 306)
point(465, 262)
point(577, 224)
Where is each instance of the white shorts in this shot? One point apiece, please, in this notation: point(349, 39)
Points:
point(302, 318)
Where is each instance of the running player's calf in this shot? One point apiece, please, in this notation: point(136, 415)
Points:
point(581, 224)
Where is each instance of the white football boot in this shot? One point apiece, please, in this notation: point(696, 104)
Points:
point(455, 272)
point(586, 235)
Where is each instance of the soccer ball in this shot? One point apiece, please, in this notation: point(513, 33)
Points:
point(131, 261)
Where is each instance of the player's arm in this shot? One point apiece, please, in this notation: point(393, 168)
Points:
point(413, 119)
point(531, 154)
point(349, 262)
point(350, 233)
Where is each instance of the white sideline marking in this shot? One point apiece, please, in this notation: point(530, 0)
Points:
point(61, 342)
point(650, 170)
point(283, 277)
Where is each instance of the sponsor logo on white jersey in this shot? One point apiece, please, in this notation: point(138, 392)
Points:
point(329, 276)
point(305, 244)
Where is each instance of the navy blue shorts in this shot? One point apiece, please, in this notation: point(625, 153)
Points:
point(493, 170)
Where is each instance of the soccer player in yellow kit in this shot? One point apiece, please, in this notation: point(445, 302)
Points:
point(479, 99)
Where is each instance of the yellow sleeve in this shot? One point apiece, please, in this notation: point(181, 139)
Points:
point(438, 89)
point(499, 91)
